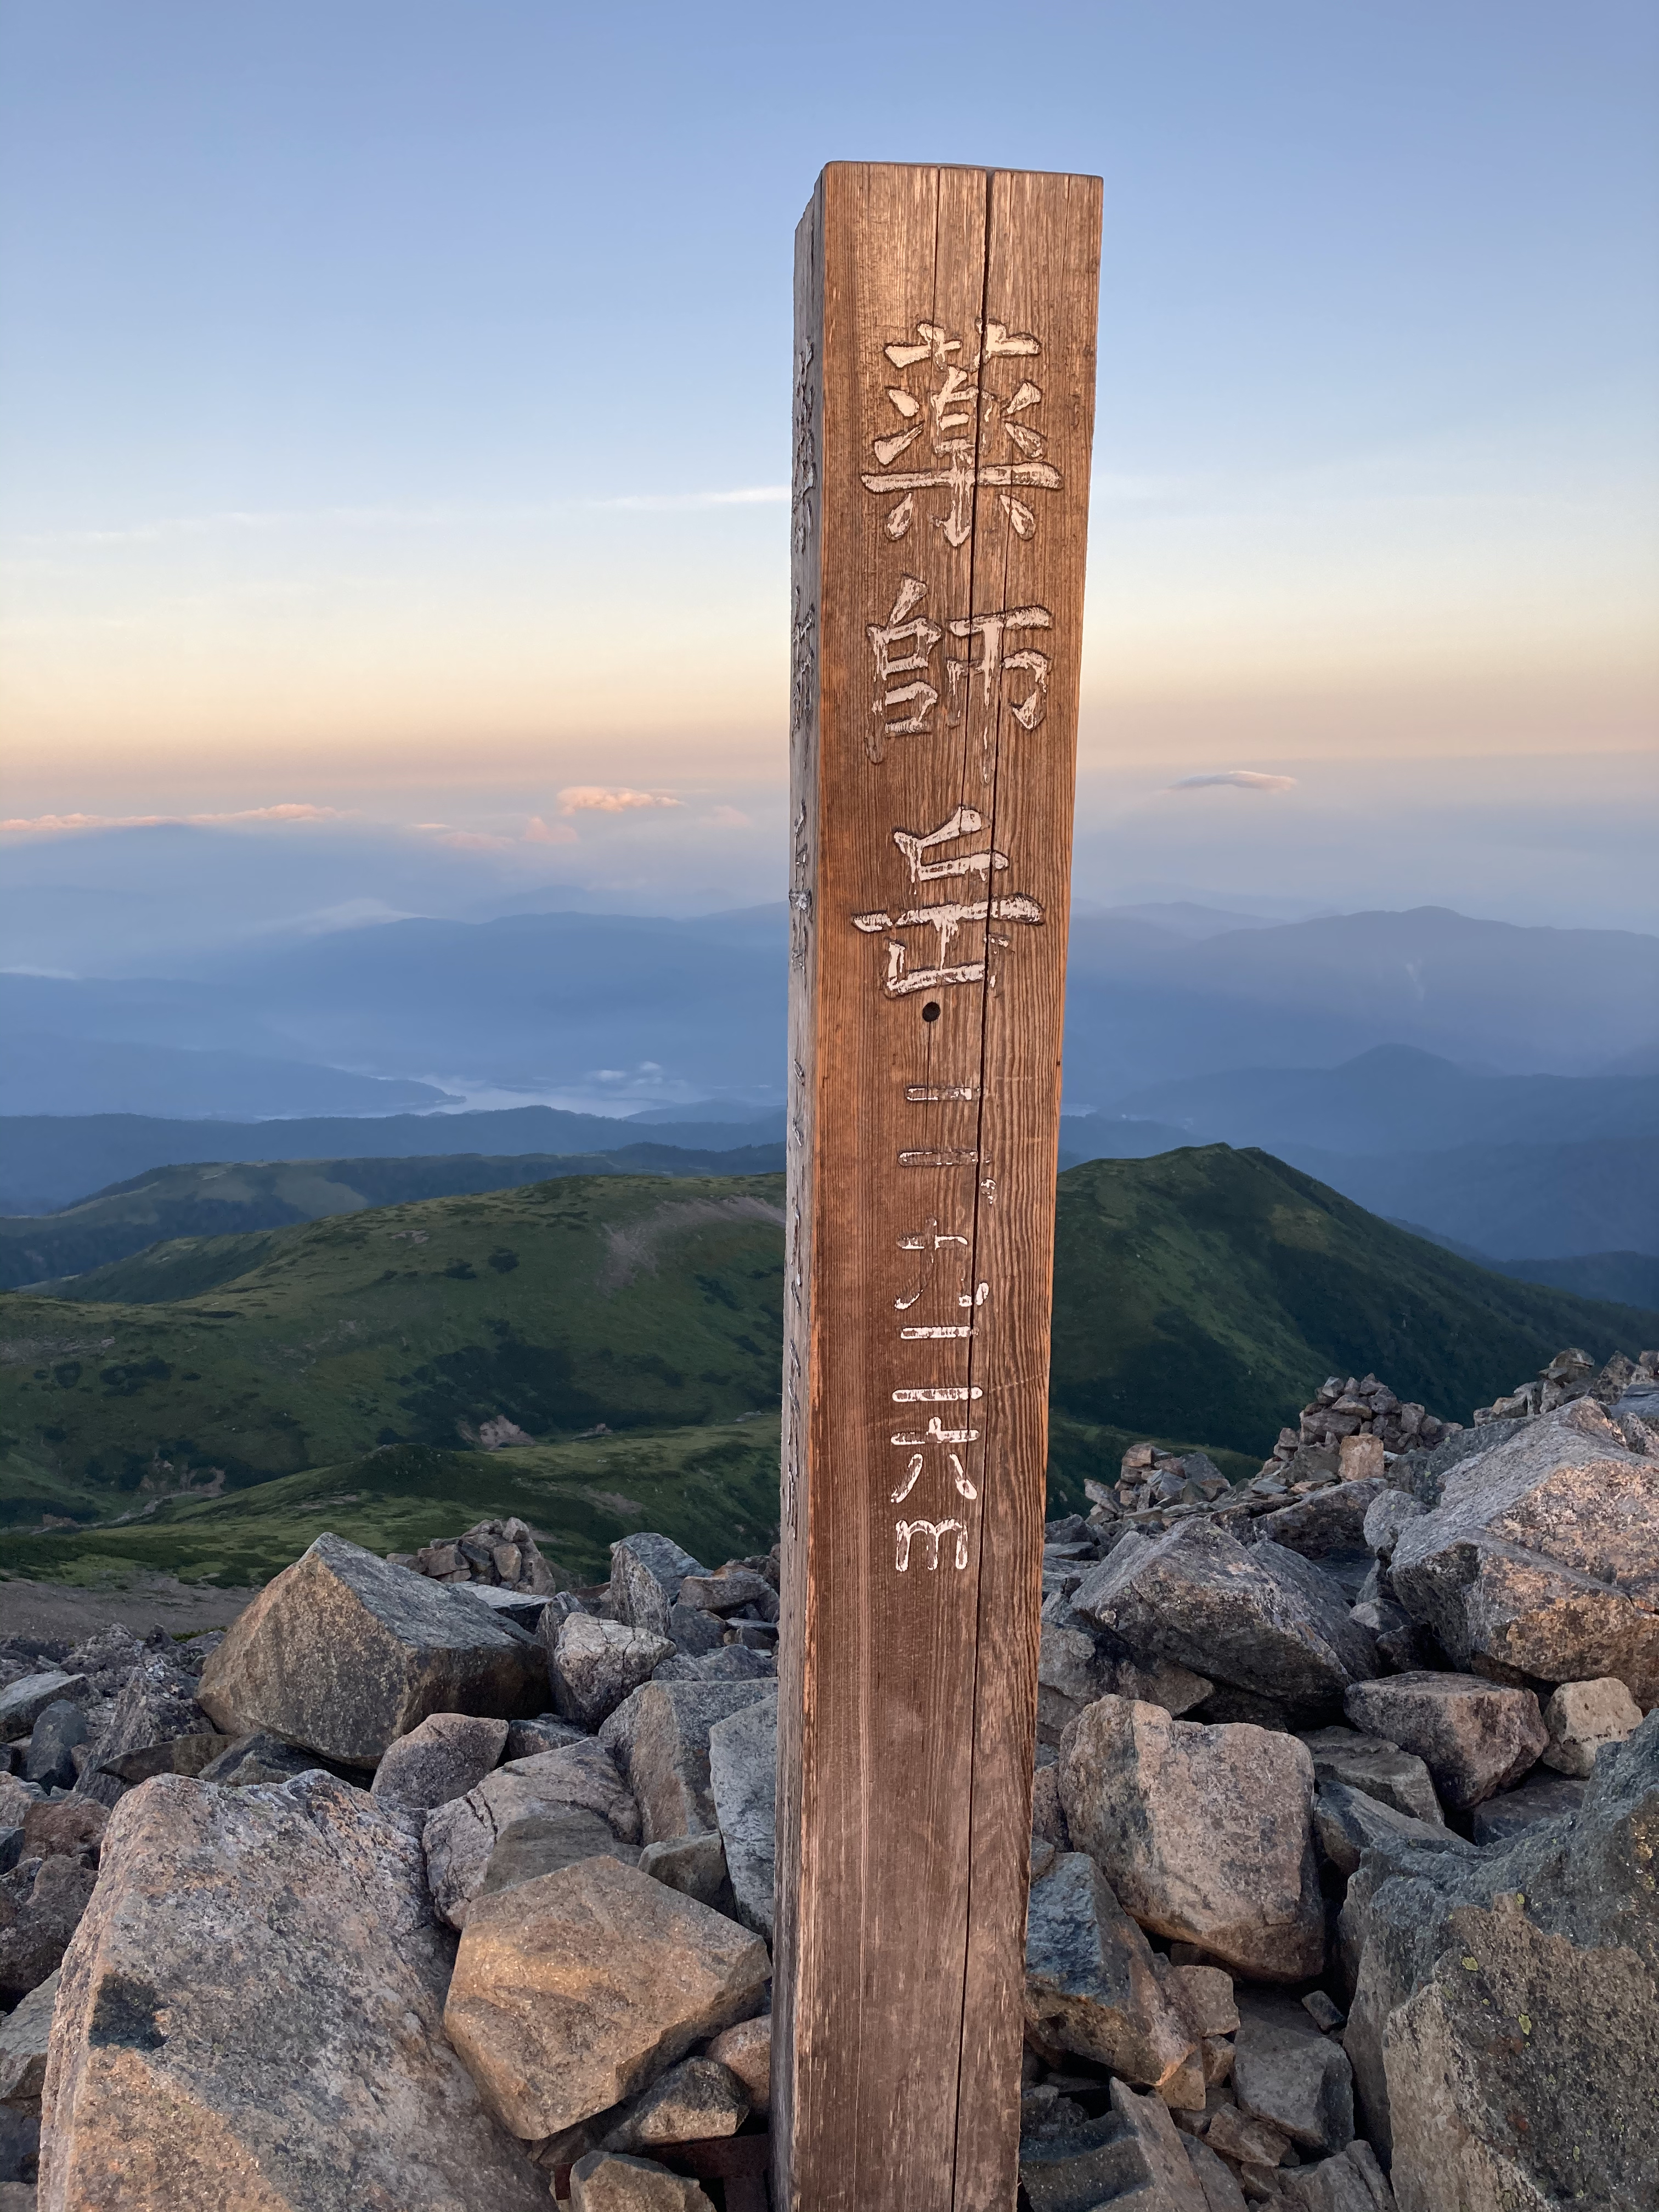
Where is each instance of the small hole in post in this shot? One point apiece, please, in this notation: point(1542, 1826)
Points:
point(930, 1012)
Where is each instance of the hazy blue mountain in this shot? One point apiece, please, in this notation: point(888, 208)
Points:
point(51, 1161)
point(1630, 1279)
point(65, 1075)
point(1509, 1202)
point(1397, 1098)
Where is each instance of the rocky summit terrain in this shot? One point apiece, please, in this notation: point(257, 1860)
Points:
point(431, 1886)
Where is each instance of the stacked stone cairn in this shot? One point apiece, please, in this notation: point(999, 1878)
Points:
point(1342, 1893)
point(490, 1555)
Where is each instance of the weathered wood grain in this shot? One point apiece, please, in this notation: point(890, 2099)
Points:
point(945, 381)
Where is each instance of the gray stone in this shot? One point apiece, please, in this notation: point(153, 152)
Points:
point(24, 2034)
point(1581, 1717)
point(695, 1866)
point(1131, 2158)
point(610, 2181)
point(1351, 2181)
point(1329, 1524)
point(742, 1768)
point(1254, 1616)
point(1203, 1996)
point(747, 2050)
point(261, 1757)
point(22, 1702)
point(1379, 1768)
point(1286, 2072)
point(543, 1843)
point(1494, 1995)
point(343, 1654)
point(180, 1754)
point(695, 1633)
point(1347, 1822)
point(575, 1992)
point(660, 1739)
point(1541, 1796)
point(547, 1732)
point(1204, 1833)
point(646, 1574)
point(56, 1732)
point(155, 1706)
point(12, 1848)
point(1221, 2192)
point(460, 1837)
point(693, 2102)
point(729, 1663)
point(729, 1590)
point(1090, 1984)
point(448, 1754)
point(252, 2015)
point(1475, 1737)
point(1385, 1517)
point(1542, 1557)
point(34, 1932)
point(594, 1664)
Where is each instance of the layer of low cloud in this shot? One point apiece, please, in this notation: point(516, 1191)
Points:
point(1241, 779)
point(59, 825)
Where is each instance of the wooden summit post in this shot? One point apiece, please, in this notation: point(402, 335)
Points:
point(945, 369)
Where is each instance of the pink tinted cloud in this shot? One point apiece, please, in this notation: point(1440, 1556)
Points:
point(729, 817)
point(538, 832)
point(1242, 778)
point(53, 825)
point(598, 799)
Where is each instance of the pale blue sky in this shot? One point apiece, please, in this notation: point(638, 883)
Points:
point(332, 331)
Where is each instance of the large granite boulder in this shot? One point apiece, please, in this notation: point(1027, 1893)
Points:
point(647, 1572)
point(1132, 2155)
point(1542, 1556)
point(1090, 1984)
point(1505, 2006)
point(1285, 2071)
point(22, 1702)
point(575, 1991)
point(1380, 1769)
point(460, 1836)
point(250, 2014)
point(594, 1664)
point(1256, 1617)
point(743, 1774)
point(447, 1756)
point(155, 1706)
point(343, 1653)
point(1204, 1833)
point(1475, 1737)
point(660, 1739)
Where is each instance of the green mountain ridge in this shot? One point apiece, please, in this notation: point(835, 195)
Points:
point(1200, 1297)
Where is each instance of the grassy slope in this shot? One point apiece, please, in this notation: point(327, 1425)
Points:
point(1213, 1290)
point(1200, 1296)
point(94, 1237)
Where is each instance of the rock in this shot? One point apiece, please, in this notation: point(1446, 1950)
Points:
point(1352, 2182)
point(343, 1654)
point(23, 1702)
point(1348, 1823)
point(1090, 1984)
point(1475, 1737)
point(607, 2181)
point(448, 1754)
point(56, 1731)
point(1221, 2192)
point(23, 2038)
point(1581, 1717)
point(693, 2102)
point(460, 1837)
point(1246, 2137)
point(154, 1707)
point(731, 1663)
point(746, 2049)
point(1387, 1513)
point(695, 1866)
point(729, 1591)
point(15, 1798)
point(1047, 1815)
point(1330, 1523)
point(1322, 2012)
point(694, 1632)
point(180, 1754)
point(594, 1664)
point(1541, 1796)
point(742, 1768)
point(646, 1574)
point(659, 1738)
point(547, 1732)
point(1132, 2156)
point(1257, 1617)
point(1379, 1768)
point(250, 2014)
point(1203, 1996)
point(1542, 1557)
point(1285, 2071)
point(71, 1827)
point(541, 1842)
point(1504, 2011)
point(1204, 1833)
point(575, 1991)
point(1359, 1459)
point(34, 1934)
point(261, 1757)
